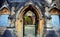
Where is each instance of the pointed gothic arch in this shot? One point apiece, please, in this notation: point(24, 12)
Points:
point(19, 21)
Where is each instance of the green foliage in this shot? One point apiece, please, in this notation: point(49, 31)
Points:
point(27, 19)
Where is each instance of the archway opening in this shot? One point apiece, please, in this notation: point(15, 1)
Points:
point(28, 26)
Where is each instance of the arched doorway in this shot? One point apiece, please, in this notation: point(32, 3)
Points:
point(19, 21)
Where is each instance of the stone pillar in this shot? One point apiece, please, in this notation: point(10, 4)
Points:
point(40, 27)
point(19, 28)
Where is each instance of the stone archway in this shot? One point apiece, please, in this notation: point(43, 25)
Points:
point(19, 21)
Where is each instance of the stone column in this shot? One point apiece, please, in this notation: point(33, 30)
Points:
point(40, 27)
point(19, 28)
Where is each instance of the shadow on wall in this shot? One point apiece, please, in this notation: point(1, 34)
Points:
point(51, 34)
point(7, 33)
